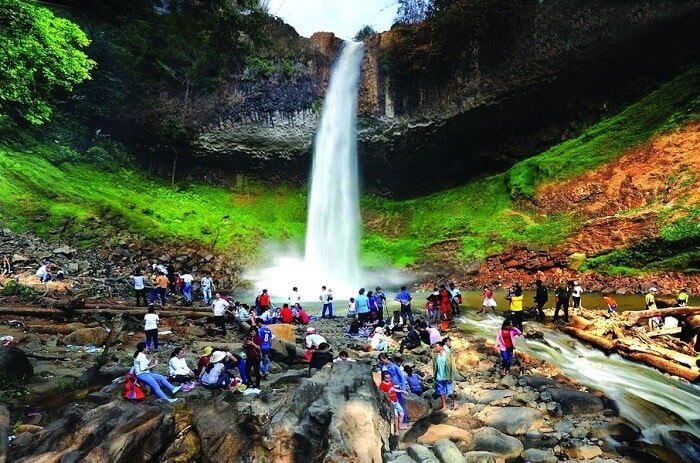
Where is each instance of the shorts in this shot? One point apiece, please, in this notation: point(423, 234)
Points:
point(444, 387)
point(398, 409)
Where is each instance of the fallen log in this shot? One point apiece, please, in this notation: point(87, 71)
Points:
point(657, 360)
point(47, 312)
point(66, 328)
point(633, 317)
point(169, 308)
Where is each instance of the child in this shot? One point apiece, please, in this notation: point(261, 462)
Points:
point(387, 386)
point(488, 301)
point(612, 304)
point(505, 343)
point(352, 311)
point(413, 380)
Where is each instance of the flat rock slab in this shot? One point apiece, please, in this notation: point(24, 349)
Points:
point(576, 402)
point(536, 382)
point(514, 421)
point(438, 432)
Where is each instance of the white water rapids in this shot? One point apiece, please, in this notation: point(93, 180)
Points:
point(655, 403)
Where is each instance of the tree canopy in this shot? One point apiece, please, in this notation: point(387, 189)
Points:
point(41, 53)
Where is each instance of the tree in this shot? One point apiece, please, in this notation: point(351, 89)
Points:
point(413, 11)
point(40, 54)
point(363, 33)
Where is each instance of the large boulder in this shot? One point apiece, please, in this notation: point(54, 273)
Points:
point(576, 402)
point(284, 332)
point(87, 336)
point(492, 440)
point(448, 452)
point(515, 421)
point(14, 364)
point(438, 432)
point(422, 454)
point(416, 407)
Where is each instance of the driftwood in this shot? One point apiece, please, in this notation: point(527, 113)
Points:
point(44, 357)
point(48, 312)
point(661, 361)
point(633, 317)
point(67, 305)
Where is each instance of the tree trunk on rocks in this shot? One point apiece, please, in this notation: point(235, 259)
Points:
point(67, 305)
point(91, 375)
point(633, 317)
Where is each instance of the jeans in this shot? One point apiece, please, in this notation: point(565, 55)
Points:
point(154, 380)
point(265, 365)
point(152, 335)
point(219, 323)
point(158, 292)
point(328, 307)
point(253, 366)
point(407, 313)
point(560, 305)
point(206, 293)
point(507, 358)
point(187, 291)
point(140, 296)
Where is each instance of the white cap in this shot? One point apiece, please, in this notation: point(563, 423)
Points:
point(653, 289)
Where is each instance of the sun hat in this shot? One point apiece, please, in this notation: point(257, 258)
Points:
point(207, 351)
point(218, 356)
point(653, 289)
point(379, 330)
point(310, 330)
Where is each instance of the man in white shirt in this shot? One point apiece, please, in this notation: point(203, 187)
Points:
point(220, 306)
point(294, 297)
point(187, 280)
point(327, 299)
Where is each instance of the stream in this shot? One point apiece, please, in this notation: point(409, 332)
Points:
point(666, 411)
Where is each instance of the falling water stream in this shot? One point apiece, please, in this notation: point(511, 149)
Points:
point(664, 409)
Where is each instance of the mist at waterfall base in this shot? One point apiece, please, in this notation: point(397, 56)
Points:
point(333, 230)
point(662, 408)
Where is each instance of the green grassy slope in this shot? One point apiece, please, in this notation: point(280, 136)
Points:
point(472, 221)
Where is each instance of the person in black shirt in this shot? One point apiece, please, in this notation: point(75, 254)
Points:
point(320, 357)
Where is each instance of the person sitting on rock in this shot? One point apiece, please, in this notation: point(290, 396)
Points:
point(44, 272)
point(355, 325)
point(179, 371)
point(214, 375)
point(415, 385)
point(378, 341)
point(242, 313)
point(301, 317)
point(320, 357)
point(286, 314)
point(313, 339)
point(411, 340)
point(396, 322)
point(387, 386)
point(204, 359)
point(344, 357)
point(142, 369)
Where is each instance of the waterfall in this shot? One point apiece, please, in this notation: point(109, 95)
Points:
point(333, 222)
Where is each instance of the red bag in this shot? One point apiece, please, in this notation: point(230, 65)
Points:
point(132, 388)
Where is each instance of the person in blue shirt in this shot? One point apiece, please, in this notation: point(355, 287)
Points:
point(414, 381)
point(397, 377)
point(362, 306)
point(380, 298)
point(266, 338)
point(404, 298)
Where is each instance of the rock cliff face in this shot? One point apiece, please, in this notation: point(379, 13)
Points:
point(537, 73)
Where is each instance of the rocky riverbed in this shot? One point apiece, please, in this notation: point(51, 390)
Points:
point(534, 414)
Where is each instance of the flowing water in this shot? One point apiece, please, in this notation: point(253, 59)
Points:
point(661, 407)
point(333, 223)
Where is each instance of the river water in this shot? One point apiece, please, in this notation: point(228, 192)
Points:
point(663, 408)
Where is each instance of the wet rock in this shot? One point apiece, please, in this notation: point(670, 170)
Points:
point(539, 456)
point(511, 420)
point(422, 454)
point(492, 440)
point(448, 452)
point(14, 364)
point(684, 443)
point(438, 432)
point(576, 402)
point(620, 431)
point(536, 382)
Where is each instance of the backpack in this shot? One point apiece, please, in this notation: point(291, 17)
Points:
point(132, 389)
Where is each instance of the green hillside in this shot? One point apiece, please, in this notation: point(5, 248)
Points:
point(477, 219)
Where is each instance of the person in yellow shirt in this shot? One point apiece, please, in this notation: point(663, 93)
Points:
point(515, 297)
point(683, 297)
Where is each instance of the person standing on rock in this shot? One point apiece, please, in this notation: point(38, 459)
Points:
point(516, 305)
point(253, 353)
point(327, 299)
point(541, 298)
point(489, 301)
point(142, 369)
point(650, 303)
point(160, 290)
point(456, 299)
point(6, 266)
point(139, 287)
point(187, 280)
point(387, 386)
point(576, 293)
point(207, 286)
point(219, 307)
point(397, 377)
point(445, 299)
point(266, 338)
point(404, 298)
point(683, 298)
point(380, 299)
point(150, 326)
point(562, 295)
point(362, 306)
point(505, 344)
point(445, 373)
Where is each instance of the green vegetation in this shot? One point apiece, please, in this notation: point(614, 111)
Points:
point(41, 54)
point(666, 108)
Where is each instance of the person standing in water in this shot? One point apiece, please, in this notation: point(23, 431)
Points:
point(541, 298)
point(488, 301)
point(505, 344)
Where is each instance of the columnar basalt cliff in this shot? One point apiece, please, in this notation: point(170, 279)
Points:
point(535, 75)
